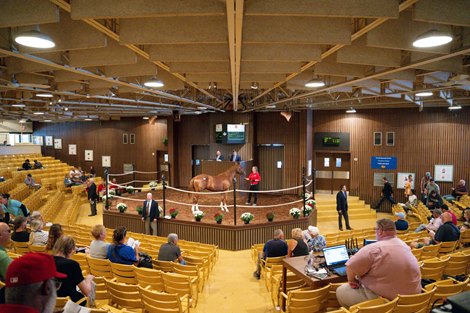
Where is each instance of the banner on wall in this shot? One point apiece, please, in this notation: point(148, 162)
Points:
point(383, 163)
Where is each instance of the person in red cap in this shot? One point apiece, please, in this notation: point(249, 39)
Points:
point(31, 284)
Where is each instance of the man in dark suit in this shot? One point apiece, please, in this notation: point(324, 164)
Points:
point(235, 157)
point(387, 194)
point(92, 196)
point(342, 207)
point(150, 213)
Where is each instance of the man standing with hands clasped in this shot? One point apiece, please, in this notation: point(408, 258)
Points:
point(150, 213)
point(342, 207)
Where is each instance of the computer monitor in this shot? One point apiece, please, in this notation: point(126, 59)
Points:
point(336, 255)
point(369, 241)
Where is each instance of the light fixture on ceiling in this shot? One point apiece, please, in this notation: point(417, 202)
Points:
point(145, 118)
point(88, 119)
point(254, 85)
point(35, 39)
point(38, 113)
point(212, 85)
point(271, 106)
point(18, 105)
point(315, 83)
point(154, 82)
point(424, 94)
point(47, 121)
point(432, 38)
point(44, 95)
point(66, 109)
point(455, 107)
point(351, 110)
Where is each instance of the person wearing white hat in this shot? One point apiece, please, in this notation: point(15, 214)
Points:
point(401, 223)
point(314, 240)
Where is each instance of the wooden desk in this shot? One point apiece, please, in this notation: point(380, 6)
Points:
point(297, 266)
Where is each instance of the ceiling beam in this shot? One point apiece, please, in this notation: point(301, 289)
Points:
point(102, 28)
point(374, 24)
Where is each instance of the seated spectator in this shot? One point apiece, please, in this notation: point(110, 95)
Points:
point(296, 246)
point(29, 181)
point(92, 171)
point(434, 224)
point(37, 164)
point(466, 218)
point(444, 209)
point(38, 237)
point(273, 248)
point(101, 189)
point(372, 272)
point(27, 165)
point(12, 207)
point(68, 181)
point(31, 284)
point(81, 175)
point(458, 191)
point(98, 247)
point(119, 252)
point(115, 186)
point(434, 200)
point(314, 240)
point(55, 232)
point(20, 234)
point(4, 258)
point(170, 251)
point(412, 201)
point(36, 215)
point(75, 176)
point(447, 232)
point(401, 223)
point(63, 250)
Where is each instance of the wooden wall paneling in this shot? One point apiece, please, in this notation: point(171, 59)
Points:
point(422, 139)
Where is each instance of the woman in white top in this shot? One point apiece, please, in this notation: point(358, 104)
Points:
point(98, 247)
point(38, 236)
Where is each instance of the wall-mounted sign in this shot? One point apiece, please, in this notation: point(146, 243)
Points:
point(49, 141)
point(88, 155)
point(378, 179)
point(72, 149)
point(384, 163)
point(37, 140)
point(331, 141)
point(58, 144)
point(106, 161)
point(444, 173)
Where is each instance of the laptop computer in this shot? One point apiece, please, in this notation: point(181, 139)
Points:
point(336, 258)
point(369, 241)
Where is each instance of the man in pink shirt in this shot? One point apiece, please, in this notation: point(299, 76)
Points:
point(382, 269)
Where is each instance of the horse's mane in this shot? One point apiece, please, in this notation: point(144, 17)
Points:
point(229, 171)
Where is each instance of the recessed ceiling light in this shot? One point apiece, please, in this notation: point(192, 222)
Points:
point(145, 118)
point(44, 95)
point(424, 94)
point(351, 110)
point(314, 83)
point(38, 113)
point(432, 38)
point(47, 121)
point(18, 105)
point(271, 106)
point(455, 107)
point(88, 119)
point(154, 83)
point(201, 108)
point(35, 39)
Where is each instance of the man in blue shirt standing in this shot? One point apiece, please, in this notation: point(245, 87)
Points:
point(273, 248)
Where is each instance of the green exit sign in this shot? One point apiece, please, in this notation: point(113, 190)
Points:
point(331, 141)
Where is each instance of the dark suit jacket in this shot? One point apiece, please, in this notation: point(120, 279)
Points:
point(92, 195)
point(387, 190)
point(221, 158)
point(235, 158)
point(341, 201)
point(154, 212)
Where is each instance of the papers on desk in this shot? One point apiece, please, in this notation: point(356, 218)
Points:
point(320, 274)
point(131, 242)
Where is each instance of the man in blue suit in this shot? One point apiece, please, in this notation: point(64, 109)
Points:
point(342, 207)
point(150, 213)
point(235, 157)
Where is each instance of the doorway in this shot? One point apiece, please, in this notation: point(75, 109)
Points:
point(163, 165)
point(271, 166)
point(333, 170)
point(199, 153)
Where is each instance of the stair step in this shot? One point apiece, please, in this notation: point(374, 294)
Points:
point(330, 206)
point(351, 217)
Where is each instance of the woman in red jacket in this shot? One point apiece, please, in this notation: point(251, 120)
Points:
point(254, 179)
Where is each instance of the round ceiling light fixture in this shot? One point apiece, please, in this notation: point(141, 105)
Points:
point(154, 83)
point(35, 39)
point(315, 83)
point(44, 95)
point(432, 38)
point(351, 110)
point(424, 94)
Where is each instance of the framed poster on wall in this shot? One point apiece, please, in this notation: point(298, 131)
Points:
point(38, 140)
point(377, 138)
point(106, 161)
point(402, 178)
point(444, 173)
point(49, 141)
point(132, 138)
point(58, 144)
point(125, 138)
point(72, 149)
point(378, 179)
point(88, 155)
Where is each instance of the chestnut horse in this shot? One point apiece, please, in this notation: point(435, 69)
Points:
point(221, 182)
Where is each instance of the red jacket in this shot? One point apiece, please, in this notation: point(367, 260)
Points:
point(16, 308)
point(254, 178)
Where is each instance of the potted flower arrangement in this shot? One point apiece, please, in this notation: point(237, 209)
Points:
point(173, 212)
point(139, 209)
point(270, 216)
point(198, 215)
point(310, 202)
point(218, 217)
point(153, 185)
point(106, 201)
point(247, 217)
point(307, 210)
point(294, 212)
point(130, 189)
point(122, 207)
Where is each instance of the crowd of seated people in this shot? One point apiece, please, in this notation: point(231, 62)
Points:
point(445, 232)
point(28, 166)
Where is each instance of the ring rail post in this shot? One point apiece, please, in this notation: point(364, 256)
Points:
point(304, 191)
point(106, 174)
point(164, 201)
point(133, 178)
point(235, 200)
